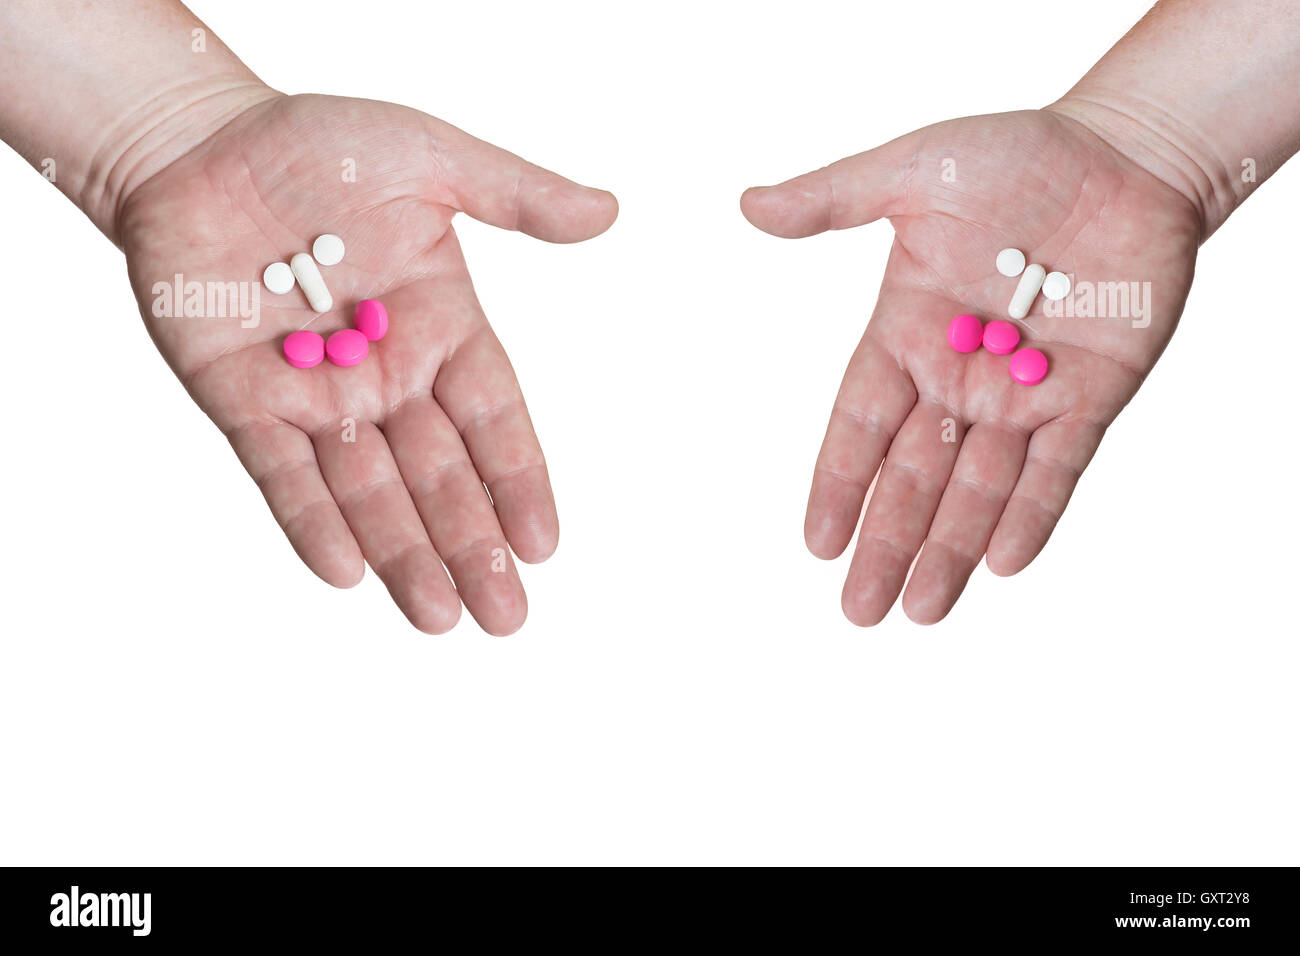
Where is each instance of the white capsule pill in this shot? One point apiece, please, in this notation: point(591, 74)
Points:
point(1011, 262)
point(313, 286)
point(278, 277)
point(328, 249)
point(1023, 299)
point(1056, 286)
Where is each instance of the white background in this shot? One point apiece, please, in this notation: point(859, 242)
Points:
point(176, 688)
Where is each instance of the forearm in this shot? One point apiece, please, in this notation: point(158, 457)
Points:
point(1205, 94)
point(100, 96)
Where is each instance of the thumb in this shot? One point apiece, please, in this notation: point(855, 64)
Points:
point(500, 189)
point(848, 193)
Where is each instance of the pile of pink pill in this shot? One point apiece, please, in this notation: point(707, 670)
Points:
point(346, 347)
point(966, 333)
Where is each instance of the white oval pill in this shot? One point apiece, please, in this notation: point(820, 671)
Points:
point(328, 249)
point(313, 286)
point(1056, 286)
point(1023, 298)
point(278, 277)
point(1011, 262)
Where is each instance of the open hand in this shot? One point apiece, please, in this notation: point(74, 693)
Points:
point(971, 463)
point(437, 419)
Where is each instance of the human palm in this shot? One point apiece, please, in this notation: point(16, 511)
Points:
point(389, 462)
point(970, 463)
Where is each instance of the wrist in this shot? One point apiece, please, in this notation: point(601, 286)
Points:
point(165, 127)
point(101, 96)
point(1167, 146)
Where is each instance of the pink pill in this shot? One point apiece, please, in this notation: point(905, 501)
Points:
point(1001, 338)
point(1028, 366)
point(347, 347)
point(965, 333)
point(304, 349)
point(371, 319)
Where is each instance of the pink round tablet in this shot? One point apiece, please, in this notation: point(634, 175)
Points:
point(965, 333)
point(1001, 338)
point(1028, 366)
point(347, 347)
point(304, 349)
point(371, 319)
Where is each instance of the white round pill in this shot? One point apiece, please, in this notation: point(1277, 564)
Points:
point(327, 250)
point(1056, 285)
point(1011, 262)
point(278, 277)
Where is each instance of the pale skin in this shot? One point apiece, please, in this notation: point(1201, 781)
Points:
point(193, 166)
point(1120, 180)
point(389, 463)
